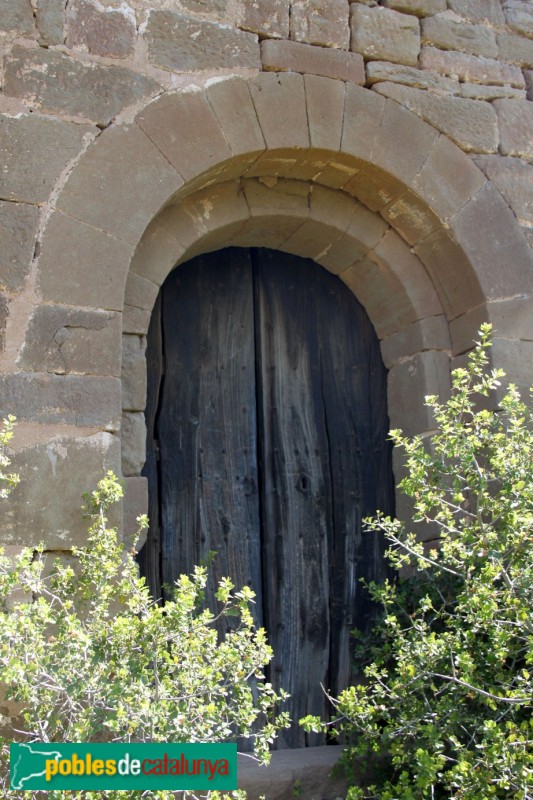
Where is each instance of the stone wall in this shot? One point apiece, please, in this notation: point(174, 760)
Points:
point(425, 211)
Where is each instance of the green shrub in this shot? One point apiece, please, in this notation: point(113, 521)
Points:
point(92, 657)
point(443, 709)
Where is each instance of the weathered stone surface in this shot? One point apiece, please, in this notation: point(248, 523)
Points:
point(377, 71)
point(529, 83)
point(448, 34)
point(309, 768)
point(478, 91)
point(516, 360)
point(241, 131)
point(515, 49)
point(217, 9)
point(419, 7)
point(478, 69)
point(410, 382)
point(69, 399)
point(46, 505)
point(179, 43)
point(268, 18)
point(133, 373)
point(16, 16)
point(135, 503)
point(478, 10)
point(402, 142)
point(50, 18)
point(363, 111)
point(281, 109)
point(519, 16)
point(470, 123)
point(120, 184)
point(323, 22)
point(53, 82)
point(33, 152)
point(325, 111)
point(135, 320)
point(133, 443)
point(63, 339)
point(82, 266)
point(18, 228)
point(516, 123)
point(140, 292)
point(514, 179)
point(298, 57)
point(102, 31)
point(411, 218)
point(431, 333)
point(511, 319)
point(381, 34)
point(3, 320)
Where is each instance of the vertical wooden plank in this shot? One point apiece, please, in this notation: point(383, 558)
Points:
point(294, 476)
point(207, 423)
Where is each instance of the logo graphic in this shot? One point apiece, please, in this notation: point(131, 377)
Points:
point(123, 766)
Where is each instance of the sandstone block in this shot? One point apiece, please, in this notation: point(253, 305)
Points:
point(431, 333)
point(99, 30)
point(140, 292)
point(374, 187)
point(50, 18)
point(529, 83)
point(82, 266)
point(511, 319)
point(421, 8)
point(46, 505)
point(133, 373)
point(519, 16)
point(410, 382)
point(363, 111)
point(4, 310)
point(216, 8)
point(402, 142)
point(477, 69)
point(133, 443)
point(120, 184)
point(53, 82)
point(411, 217)
point(179, 43)
point(515, 49)
point(135, 320)
point(298, 57)
point(478, 10)
point(242, 131)
point(514, 179)
point(17, 16)
point(325, 111)
point(516, 123)
point(135, 503)
point(68, 399)
point(448, 34)
point(63, 339)
point(377, 71)
point(478, 91)
point(470, 123)
point(18, 229)
point(516, 360)
point(279, 101)
point(268, 18)
point(33, 151)
point(381, 34)
point(322, 22)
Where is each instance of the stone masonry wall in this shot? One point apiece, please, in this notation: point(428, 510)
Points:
point(73, 68)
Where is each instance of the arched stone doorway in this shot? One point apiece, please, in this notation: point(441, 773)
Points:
point(267, 445)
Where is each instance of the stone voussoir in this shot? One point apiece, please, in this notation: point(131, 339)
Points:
point(282, 56)
point(514, 179)
point(280, 103)
point(381, 34)
point(133, 373)
point(325, 111)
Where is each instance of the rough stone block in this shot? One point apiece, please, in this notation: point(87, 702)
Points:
point(18, 229)
point(477, 69)
point(519, 16)
point(50, 18)
point(67, 399)
point(514, 179)
point(63, 339)
point(133, 443)
point(46, 505)
point(179, 43)
point(17, 16)
point(471, 124)
point(268, 18)
point(421, 8)
point(242, 131)
point(297, 57)
point(108, 32)
point(322, 22)
point(280, 104)
point(431, 333)
point(55, 83)
point(217, 9)
point(377, 71)
point(82, 266)
point(135, 503)
point(449, 34)
point(133, 373)
point(478, 10)
point(325, 111)
point(363, 111)
point(515, 49)
point(447, 179)
point(33, 152)
point(516, 123)
point(410, 382)
point(381, 34)
point(120, 184)
point(477, 91)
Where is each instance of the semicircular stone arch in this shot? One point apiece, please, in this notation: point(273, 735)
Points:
point(317, 167)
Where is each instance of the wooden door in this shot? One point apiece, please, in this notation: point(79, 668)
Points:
point(267, 428)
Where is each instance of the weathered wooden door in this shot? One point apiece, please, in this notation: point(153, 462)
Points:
point(267, 427)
